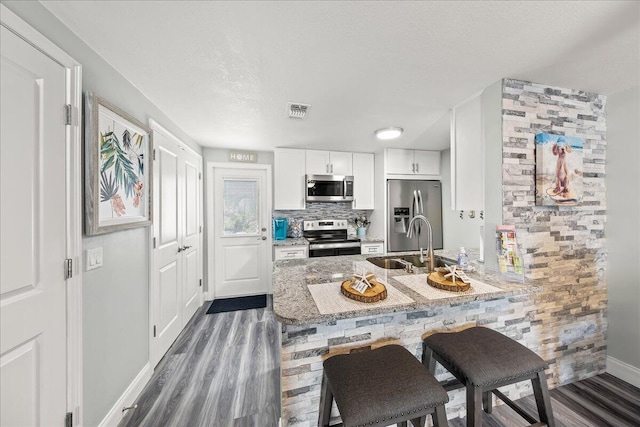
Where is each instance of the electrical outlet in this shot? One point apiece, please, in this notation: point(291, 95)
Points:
point(93, 258)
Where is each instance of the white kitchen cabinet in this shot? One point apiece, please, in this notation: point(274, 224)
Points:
point(372, 248)
point(467, 159)
point(289, 179)
point(290, 252)
point(412, 162)
point(363, 181)
point(328, 163)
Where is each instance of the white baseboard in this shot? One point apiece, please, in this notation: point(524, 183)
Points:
point(115, 415)
point(624, 371)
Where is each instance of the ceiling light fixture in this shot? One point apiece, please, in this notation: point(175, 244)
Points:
point(389, 133)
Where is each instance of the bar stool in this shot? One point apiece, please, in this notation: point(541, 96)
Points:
point(381, 387)
point(482, 360)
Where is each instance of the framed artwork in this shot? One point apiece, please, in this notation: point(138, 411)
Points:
point(559, 170)
point(117, 168)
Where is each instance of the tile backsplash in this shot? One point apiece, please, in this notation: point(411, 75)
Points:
point(318, 210)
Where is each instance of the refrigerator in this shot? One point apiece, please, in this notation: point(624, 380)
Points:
point(405, 199)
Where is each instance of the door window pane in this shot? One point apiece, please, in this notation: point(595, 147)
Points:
point(240, 207)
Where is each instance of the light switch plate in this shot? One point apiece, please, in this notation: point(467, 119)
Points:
point(93, 258)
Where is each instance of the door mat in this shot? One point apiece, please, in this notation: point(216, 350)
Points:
point(235, 304)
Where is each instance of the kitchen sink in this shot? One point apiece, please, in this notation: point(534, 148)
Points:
point(393, 262)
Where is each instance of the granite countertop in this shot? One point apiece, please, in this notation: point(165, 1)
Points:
point(293, 303)
point(291, 241)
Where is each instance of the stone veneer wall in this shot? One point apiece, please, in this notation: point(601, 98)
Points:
point(564, 248)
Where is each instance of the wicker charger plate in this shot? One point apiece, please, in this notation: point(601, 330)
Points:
point(374, 294)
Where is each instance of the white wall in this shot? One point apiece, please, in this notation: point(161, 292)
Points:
point(115, 306)
point(623, 229)
point(456, 232)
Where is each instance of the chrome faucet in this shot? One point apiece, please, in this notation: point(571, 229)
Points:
point(430, 256)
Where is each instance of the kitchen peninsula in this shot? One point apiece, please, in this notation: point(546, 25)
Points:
point(412, 310)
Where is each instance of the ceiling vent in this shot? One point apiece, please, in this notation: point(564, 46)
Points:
point(297, 111)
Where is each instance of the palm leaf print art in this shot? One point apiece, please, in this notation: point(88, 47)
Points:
point(108, 187)
point(113, 155)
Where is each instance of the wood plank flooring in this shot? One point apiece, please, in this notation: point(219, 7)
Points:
point(224, 370)
point(600, 401)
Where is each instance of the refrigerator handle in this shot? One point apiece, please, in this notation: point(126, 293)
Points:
point(416, 211)
point(420, 202)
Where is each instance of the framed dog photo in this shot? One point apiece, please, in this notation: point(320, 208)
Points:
point(559, 170)
point(117, 168)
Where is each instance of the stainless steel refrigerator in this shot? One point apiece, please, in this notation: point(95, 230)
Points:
point(405, 199)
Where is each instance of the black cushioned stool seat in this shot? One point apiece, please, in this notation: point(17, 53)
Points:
point(482, 360)
point(381, 387)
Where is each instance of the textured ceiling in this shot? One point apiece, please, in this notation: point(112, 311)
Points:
point(224, 71)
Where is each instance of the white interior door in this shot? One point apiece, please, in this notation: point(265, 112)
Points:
point(166, 289)
point(191, 232)
point(176, 290)
point(33, 197)
point(242, 253)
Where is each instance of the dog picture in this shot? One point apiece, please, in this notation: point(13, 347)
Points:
point(561, 149)
point(558, 170)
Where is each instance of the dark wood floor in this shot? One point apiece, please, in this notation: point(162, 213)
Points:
point(223, 370)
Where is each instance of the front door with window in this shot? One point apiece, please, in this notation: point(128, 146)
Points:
point(242, 250)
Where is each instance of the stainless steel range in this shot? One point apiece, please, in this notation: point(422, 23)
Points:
point(328, 237)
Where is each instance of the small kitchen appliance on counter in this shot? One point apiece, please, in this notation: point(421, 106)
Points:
point(279, 228)
point(328, 237)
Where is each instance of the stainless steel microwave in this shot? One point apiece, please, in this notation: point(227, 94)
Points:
point(329, 188)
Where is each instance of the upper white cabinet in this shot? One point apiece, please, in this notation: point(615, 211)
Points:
point(412, 162)
point(328, 163)
point(363, 181)
point(289, 179)
point(467, 156)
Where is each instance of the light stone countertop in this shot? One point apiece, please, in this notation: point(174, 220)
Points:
point(371, 239)
point(294, 305)
point(291, 241)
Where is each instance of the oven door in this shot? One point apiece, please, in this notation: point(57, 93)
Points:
point(329, 188)
point(333, 249)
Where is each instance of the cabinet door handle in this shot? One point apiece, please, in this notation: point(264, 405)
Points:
point(331, 167)
point(413, 167)
point(417, 167)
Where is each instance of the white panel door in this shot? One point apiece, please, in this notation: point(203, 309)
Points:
point(167, 263)
point(242, 240)
point(191, 245)
point(33, 246)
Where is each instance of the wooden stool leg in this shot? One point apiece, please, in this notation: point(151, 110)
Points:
point(543, 401)
point(474, 406)
point(439, 417)
point(427, 359)
point(326, 400)
point(419, 422)
point(486, 401)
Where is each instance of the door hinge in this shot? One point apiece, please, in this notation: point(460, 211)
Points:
point(200, 282)
point(67, 114)
point(154, 154)
point(154, 243)
point(199, 175)
point(154, 331)
point(68, 268)
point(68, 420)
point(201, 229)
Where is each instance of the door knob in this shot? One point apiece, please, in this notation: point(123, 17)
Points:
point(180, 249)
point(264, 228)
point(263, 238)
